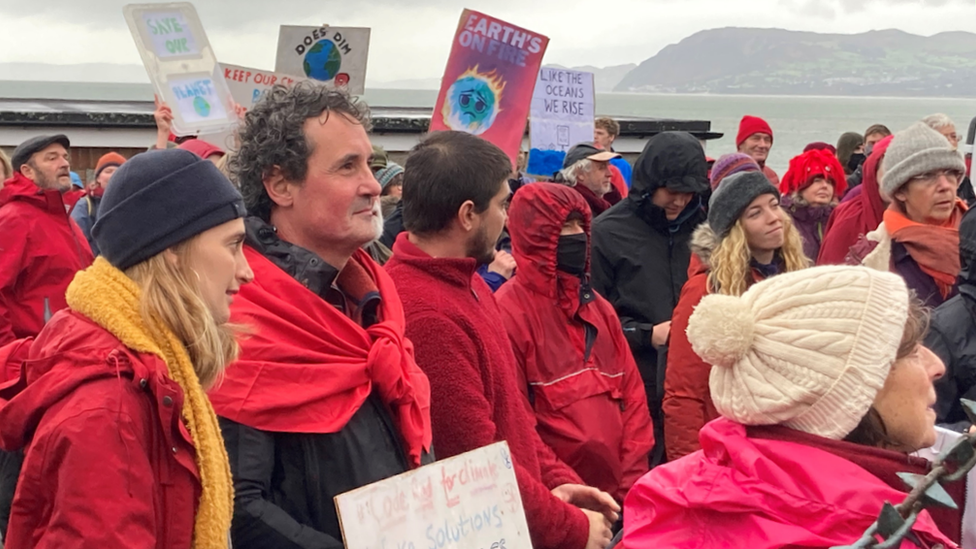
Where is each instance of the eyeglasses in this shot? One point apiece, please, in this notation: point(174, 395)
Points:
point(934, 176)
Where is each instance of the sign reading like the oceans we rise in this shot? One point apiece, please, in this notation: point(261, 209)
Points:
point(470, 501)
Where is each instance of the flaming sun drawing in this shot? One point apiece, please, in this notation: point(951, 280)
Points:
point(473, 101)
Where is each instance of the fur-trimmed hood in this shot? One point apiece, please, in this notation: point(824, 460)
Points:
point(703, 243)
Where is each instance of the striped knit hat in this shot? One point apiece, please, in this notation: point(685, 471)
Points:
point(386, 175)
point(729, 164)
point(809, 349)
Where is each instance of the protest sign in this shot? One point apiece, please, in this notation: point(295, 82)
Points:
point(487, 86)
point(182, 66)
point(562, 116)
point(247, 85)
point(336, 55)
point(469, 501)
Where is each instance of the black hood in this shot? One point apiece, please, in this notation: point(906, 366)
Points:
point(967, 248)
point(674, 160)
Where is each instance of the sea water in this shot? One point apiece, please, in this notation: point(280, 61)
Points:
point(796, 120)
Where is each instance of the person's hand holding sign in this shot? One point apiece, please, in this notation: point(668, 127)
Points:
point(164, 123)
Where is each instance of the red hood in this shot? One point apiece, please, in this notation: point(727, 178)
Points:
point(873, 205)
point(535, 218)
point(201, 148)
point(762, 493)
point(68, 353)
point(19, 187)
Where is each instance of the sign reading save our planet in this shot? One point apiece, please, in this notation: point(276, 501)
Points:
point(182, 66)
point(469, 501)
point(335, 55)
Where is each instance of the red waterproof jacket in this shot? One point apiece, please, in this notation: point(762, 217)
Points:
point(574, 362)
point(793, 491)
point(41, 249)
point(687, 400)
point(108, 462)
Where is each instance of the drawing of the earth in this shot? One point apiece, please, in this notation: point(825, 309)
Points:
point(201, 106)
point(323, 61)
point(473, 101)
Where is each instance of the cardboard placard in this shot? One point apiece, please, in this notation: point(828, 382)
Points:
point(182, 66)
point(469, 501)
point(487, 86)
point(563, 107)
point(247, 85)
point(335, 55)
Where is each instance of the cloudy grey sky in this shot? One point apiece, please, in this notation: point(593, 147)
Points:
point(411, 39)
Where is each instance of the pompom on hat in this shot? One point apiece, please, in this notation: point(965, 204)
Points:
point(809, 349)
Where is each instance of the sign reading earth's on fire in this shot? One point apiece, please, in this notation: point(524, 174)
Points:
point(336, 55)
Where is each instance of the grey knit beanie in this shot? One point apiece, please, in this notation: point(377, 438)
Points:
point(916, 151)
point(733, 195)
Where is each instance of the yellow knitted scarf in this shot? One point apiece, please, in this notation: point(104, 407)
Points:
point(108, 297)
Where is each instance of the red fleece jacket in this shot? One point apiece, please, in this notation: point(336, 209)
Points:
point(461, 345)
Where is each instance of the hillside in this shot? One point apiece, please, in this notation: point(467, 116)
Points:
point(774, 61)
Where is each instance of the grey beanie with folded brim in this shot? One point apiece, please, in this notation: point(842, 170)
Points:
point(913, 152)
point(733, 196)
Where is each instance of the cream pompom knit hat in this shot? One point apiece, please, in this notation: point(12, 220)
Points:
point(809, 349)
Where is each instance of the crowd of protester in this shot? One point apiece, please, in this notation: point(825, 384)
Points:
point(204, 347)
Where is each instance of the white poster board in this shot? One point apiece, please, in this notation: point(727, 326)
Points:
point(247, 85)
point(563, 106)
point(182, 66)
point(336, 55)
point(469, 501)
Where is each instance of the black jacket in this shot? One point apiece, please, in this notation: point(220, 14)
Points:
point(640, 259)
point(393, 226)
point(952, 335)
point(284, 482)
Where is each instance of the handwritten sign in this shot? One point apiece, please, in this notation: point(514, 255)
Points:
point(196, 99)
point(487, 85)
point(182, 66)
point(336, 55)
point(562, 115)
point(248, 85)
point(469, 501)
point(171, 35)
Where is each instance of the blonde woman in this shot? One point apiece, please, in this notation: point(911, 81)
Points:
point(748, 238)
point(121, 446)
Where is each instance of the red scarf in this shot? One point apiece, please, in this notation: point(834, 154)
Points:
point(307, 367)
point(934, 247)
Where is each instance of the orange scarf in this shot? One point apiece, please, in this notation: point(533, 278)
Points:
point(934, 247)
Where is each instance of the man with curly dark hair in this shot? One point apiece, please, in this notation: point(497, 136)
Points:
point(326, 396)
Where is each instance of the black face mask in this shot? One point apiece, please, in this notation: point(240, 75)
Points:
point(571, 254)
point(856, 160)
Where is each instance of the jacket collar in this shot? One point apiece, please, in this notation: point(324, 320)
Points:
point(19, 188)
point(456, 271)
point(301, 264)
point(657, 218)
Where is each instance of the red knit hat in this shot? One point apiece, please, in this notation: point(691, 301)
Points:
point(751, 125)
point(107, 160)
point(810, 165)
point(201, 148)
